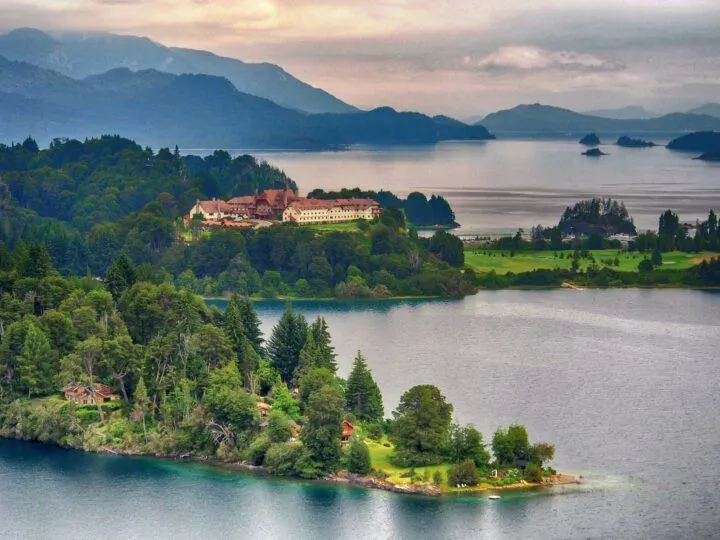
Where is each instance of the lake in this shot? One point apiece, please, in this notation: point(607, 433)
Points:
point(625, 382)
point(505, 184)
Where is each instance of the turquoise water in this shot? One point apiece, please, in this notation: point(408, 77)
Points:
point(624, 382)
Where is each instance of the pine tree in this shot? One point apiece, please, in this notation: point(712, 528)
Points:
point(120, 276)
point(309, 356)
point(287, 340)
point(35, 263)
point(358, 457)
point(251, 323)
point(362, 394)
point(35, 364)
point(325, 351)
point(321, 434)
point(234, 327)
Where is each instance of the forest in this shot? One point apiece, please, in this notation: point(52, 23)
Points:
point(192, 381)
point(90, 202)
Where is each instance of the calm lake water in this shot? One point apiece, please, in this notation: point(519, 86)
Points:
point(506, 184)
point(626, 383)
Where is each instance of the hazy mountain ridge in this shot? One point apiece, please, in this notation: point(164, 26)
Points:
point(631, 112)
point(545, 120)
point(194, 111)
point(710, 109)
point(79, 55)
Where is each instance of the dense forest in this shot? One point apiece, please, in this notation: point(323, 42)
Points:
point(193, 381)
point(89, 202)
point(418, 209)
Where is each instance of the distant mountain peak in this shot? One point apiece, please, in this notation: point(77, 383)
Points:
point(83, 54)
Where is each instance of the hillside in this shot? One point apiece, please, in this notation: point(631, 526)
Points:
point(711, 109)
point(544, 120)
point(161, 109)
point(631, 112)
point(79, 55)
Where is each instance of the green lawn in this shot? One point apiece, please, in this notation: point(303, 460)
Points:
point(346, 226)
point(526, 261)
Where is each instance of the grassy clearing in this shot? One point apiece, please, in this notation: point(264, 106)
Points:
point(526, 261)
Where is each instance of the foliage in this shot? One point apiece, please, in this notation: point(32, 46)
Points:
point(362, 394)
point(463, 473)
point(357, 457)
point(421, 426)
point(229, 404)
point(466, 443)
point(286, 342)
point(321, 434)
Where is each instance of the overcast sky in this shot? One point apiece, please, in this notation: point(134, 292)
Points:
point(457, 57)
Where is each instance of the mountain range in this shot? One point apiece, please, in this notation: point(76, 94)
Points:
point(79, 55)
point(548, 121)
point(192, 111)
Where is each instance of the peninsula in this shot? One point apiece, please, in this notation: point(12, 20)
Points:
point(155, 371)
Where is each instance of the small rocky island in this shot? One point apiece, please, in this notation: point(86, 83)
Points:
point(629, 142)
point(591, 139)
point(594, 152)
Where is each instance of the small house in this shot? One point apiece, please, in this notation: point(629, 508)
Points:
point(347, 431)
point(263, 408)
point(83, 395)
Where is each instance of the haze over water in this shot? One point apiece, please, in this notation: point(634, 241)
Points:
point(625, 382)
point(506, 184)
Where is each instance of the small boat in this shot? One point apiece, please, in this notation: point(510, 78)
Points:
point(494, 497)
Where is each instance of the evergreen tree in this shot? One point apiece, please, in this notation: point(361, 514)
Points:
point(120, 276)
point(325, 351)
point(308, 358)
point(35, 262)
point(251, 324)
point(35, 365)
point(322, 432)
point(362, 394)
point(286, 342)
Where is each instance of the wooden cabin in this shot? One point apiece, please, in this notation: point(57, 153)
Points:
point(83, 395)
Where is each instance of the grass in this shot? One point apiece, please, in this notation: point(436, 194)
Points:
point(380, 459)
point(345, 226)
point(526, 261)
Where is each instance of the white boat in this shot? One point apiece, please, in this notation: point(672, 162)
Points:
point(494, 497)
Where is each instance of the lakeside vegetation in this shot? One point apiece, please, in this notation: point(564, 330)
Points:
point(585, 249)
point(130, 367)
point(89, 202)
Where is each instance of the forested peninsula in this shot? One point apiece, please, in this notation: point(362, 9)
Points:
point(130, 367)
point(89, 202)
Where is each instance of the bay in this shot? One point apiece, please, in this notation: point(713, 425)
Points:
point(625, 382)
point(505, 184)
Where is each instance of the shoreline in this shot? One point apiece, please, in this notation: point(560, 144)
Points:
point(341, 477)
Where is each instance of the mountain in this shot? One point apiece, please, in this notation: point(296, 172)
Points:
point(192, 111)
point(548, 121)
point(711, 109)
point(631, 112)
point(79, 55)
point(702, 141)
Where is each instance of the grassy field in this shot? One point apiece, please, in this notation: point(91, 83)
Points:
point(526, 261)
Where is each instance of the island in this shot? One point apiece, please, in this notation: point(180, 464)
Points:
point(634, 143)
point(700, 141)
point(712, 155)
point(594, 152)
point(591, 139)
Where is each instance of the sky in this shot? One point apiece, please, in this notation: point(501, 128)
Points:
point(463, 58)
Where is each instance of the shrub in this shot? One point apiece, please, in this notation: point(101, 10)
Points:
point(437, 478)
point(280, 458)
point(278, 429)
point(465, 473)
point(258, 448)
point(533, 473)
point(358, 457)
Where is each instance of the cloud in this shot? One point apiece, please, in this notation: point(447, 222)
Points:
point(528, 58)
